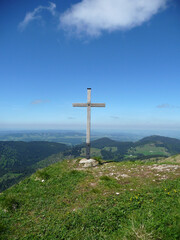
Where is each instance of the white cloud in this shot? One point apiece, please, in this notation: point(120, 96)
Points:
point(91, 17)
point(36, 14)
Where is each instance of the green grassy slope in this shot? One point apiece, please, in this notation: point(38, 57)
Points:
point(127, 200)
point(149, 149)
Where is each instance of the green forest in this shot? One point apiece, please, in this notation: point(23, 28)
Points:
point(18, 159)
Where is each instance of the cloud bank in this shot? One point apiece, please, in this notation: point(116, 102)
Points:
point(166, 105)
point(92, 17)
point(36, 15)
point(114, 117)
point(39, 101)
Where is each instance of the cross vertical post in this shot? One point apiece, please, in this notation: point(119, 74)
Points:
point(88, 130)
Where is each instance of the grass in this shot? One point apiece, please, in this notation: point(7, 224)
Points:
point(149, 149)
point(113, 201)
point(113, 149)
point(94, 152)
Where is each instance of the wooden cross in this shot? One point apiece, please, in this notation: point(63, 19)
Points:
point(88, 105)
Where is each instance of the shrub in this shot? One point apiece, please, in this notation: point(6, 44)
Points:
point(2, 228)
point(105, 178)
point(10, 203)
point(98, 159)
point(74, 172)
point(43, 174)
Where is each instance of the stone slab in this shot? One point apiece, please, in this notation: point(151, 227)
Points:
point(88, 163)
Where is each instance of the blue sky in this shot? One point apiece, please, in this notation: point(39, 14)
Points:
point(129, 54)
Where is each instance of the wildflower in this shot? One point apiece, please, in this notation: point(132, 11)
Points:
point(168, 192)
point(117, 193)
point(42, 180)
point(165, 189)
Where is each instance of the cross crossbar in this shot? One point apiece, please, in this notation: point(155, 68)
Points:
point(88, 105)
point(80, 105)
point(98, 104)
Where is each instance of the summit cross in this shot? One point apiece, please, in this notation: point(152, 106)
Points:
point(89, 105)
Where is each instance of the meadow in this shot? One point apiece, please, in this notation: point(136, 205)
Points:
point(125, 200)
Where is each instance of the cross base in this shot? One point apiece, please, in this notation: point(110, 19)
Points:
point(88, 163)
point(88, 150)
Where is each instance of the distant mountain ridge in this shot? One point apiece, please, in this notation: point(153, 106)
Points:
point(152, 138)
point(105, 142)
point(156, 139)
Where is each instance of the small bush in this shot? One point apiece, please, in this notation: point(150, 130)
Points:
point(98, 159)
point(109, 182)
point(74, 175)
point(95, 190)
point(43, 174)
point(10, 203)
point(74, 172)
point(2, 228)
point(105, 178)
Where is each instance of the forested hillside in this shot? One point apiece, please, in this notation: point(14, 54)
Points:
point(17, 158)
point(153, 146)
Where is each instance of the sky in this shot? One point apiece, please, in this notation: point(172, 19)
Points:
point(127, 51)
